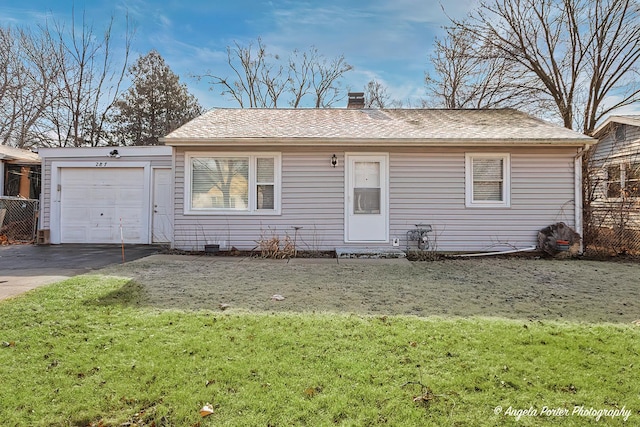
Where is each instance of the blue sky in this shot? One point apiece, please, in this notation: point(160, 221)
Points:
point(386, 40)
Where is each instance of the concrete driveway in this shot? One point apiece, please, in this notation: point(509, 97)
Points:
point(25, 267)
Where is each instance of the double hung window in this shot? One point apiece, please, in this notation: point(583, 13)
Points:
point(232, 183)
point(487, 180)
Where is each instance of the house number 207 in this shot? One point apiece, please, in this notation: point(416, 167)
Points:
point(101, 164)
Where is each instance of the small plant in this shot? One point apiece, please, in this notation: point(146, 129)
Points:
point(270, 246)
point(427, 396)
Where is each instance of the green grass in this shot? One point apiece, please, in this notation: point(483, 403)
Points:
point(81, 352)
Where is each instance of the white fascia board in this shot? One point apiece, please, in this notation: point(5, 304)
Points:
point(79, 152)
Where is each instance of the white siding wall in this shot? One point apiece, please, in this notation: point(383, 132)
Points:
point(426, 186)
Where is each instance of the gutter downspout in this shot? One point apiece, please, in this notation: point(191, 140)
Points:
point(578, 204)
point(1, 177)
point(511, 251)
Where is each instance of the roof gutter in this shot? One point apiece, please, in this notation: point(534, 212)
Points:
point(368, 142)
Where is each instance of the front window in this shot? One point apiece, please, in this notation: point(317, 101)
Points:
point(232, 183)
point(487, 180)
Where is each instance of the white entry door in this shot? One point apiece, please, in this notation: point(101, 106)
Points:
point(161, 219)
point(366, 199)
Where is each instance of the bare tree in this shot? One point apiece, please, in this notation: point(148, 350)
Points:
point(613, 56)
point(89, 83)
point(375, 95)
point(326, 83)
point(261, 80)
point(28, 74)
point(469, 74)
point(578, 54)
point(254, 84)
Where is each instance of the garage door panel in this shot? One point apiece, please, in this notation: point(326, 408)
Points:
point(93, 202)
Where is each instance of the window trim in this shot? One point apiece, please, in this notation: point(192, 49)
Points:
point(506, 181)
point(252, 183)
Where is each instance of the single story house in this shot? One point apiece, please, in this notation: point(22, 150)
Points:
point(483, 180)
point(615, 172)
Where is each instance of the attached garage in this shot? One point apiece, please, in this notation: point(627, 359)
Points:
point(96, 203)
point(93, 195)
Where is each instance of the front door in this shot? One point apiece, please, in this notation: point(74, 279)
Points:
point(366, 196)
point(161, 219)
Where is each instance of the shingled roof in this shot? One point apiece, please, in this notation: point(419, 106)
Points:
point(388, 126)
point(8, 153)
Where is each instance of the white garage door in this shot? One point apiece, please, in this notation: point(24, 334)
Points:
point(94, 202)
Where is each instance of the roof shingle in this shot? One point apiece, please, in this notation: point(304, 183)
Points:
point(355, 124)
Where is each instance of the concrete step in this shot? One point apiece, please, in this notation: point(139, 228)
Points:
point(373, 253)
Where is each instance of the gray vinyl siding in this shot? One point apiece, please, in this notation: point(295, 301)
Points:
point(614, 212)
point(608, 150)
point(425, 186)
point(312, 198)
point(45, 210)
point(430, 189)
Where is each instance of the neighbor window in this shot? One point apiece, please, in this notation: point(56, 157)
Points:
point(623, 180)
point(232, 183)
point(487, 180)
point(621, 133)
point(632, 179)
point(613, 181)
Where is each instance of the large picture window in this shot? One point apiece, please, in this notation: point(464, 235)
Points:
point(233, 183)
point(487, 180)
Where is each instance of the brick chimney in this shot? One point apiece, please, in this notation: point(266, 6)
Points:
point(356, 100)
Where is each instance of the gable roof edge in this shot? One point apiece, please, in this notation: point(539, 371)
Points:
point(625, 120)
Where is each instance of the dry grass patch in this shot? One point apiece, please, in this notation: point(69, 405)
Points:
point(514, 288)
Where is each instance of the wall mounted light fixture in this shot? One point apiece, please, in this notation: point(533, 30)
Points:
point(334, 160)
point(114, 153)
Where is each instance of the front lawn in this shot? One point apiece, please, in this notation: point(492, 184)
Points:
point(85, 352)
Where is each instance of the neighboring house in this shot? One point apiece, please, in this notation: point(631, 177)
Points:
point(107, 194)
point(484, 180)
point(19, 173)
point(615, 173)
point(19, 180)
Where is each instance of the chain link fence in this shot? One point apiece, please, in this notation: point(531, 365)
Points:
point(614, 229)
point(612, 202)
point(18, 219)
